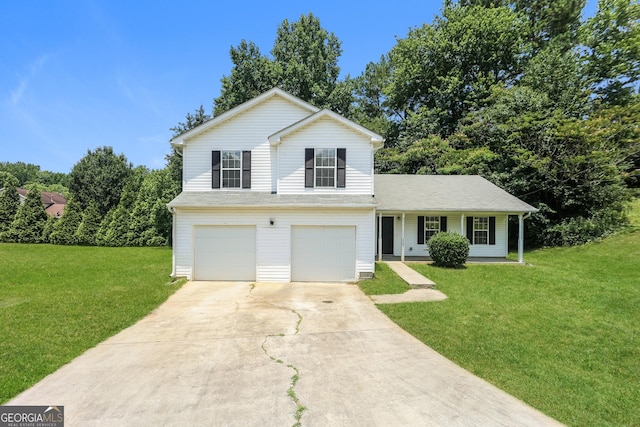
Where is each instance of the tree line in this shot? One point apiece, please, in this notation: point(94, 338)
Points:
point(525, 93)
point(110, 203)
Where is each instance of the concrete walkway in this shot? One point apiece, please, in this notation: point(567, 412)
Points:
point(409, 275)
point(239, 354)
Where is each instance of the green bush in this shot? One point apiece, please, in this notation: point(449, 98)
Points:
point(448, 249)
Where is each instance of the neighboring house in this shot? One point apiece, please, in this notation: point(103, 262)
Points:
point(54, 203)
point(277, 190)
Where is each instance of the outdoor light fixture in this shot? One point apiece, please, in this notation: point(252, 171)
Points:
point(272, 221)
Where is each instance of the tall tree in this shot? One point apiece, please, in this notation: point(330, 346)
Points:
point(612, 56)
point(548, 20)
point(304, 62)
point(99, 176)
point(307, 56)
point(252, 74)
point(444, 70)
point(29, 221)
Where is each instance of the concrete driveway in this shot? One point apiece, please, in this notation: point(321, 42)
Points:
point(237, 354)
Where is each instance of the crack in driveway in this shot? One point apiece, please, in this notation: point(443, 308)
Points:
point(291, 392)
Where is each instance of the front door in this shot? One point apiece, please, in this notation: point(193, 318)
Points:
point(387, 235)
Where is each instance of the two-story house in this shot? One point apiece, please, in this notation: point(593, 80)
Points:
point(277, 190)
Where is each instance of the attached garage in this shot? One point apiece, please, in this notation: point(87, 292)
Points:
point(224, 253)
point(323, 253)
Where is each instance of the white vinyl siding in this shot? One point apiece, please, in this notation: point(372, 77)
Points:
point(273, 242)
point(412, 248)
point(246, 131)
point(325, 133)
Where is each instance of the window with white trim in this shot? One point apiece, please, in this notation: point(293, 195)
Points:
point(481, 230)
point(231, 169)
point(431, 227)
point(325, 167)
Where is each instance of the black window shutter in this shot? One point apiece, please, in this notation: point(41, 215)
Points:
point(246, 169)
point(443, 223)
point(421, 230)
point(215, 169)
point(492, 230)
point(342, 167)
point(470, 229)
point(308, 167)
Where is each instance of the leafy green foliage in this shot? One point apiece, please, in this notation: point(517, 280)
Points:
point(99, 176)
point(448, 249)
point(444, 70)
point(304, 62)
point(27, 173)
point(29, 221)
point(612, 41)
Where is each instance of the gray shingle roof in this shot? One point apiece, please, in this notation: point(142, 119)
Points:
point(223, 199)
point(436, 193)
point(470, 193)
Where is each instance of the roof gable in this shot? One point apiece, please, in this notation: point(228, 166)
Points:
point(181, 139)
point(375, 139)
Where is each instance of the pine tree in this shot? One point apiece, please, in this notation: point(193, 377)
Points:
point(9, 200)
point(88, 228)
point(30, 219)
point(65, 229)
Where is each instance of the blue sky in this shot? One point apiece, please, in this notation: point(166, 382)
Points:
point(76, 75)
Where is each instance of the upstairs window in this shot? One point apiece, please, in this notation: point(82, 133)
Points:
point(325, 167)
point(231, 169)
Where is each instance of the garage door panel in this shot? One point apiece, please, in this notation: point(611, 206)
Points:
point(224, 253)
point(323, 253)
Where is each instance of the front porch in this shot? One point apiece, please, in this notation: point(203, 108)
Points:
point(470, 260)
point(403, 235)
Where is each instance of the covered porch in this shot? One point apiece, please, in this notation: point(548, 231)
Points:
point(403, 236)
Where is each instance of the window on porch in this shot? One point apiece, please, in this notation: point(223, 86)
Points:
point(431, 226)
point(481, 230)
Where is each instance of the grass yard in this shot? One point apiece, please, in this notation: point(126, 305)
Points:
point(563, 334)
point(58, 301)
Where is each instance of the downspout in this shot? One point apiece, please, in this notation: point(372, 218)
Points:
point(172, 210)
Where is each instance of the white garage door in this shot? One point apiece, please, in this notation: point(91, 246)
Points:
point(224, 253)
point(323, 254)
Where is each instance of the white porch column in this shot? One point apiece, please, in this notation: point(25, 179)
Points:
point(402, 249)
point(462, 230)
point(520, 238)
point(379, 237)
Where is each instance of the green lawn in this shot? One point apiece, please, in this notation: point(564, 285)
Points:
point(58, 301)
point(563, 334)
